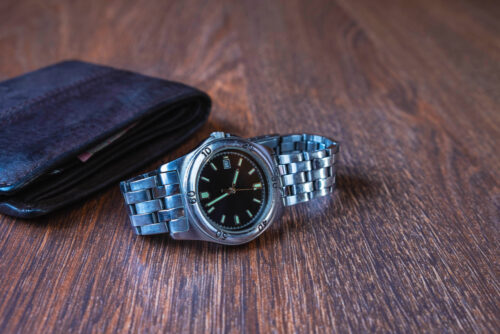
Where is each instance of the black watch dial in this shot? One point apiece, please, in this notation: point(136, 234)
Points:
point(232, 190)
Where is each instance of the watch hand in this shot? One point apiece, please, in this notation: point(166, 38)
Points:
point(240, 189)
point(235, 177)
point(217, 199)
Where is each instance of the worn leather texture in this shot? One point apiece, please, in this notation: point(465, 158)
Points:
point(49, 117)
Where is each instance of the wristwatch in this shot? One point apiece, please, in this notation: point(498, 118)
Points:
point(229, 189)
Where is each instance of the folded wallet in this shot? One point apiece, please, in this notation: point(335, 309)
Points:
point(73, 128)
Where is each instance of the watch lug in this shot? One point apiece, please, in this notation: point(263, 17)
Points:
point(188, 232)
point(220, 134)
point(184, 231)
point(269, 143)
point(174, 165)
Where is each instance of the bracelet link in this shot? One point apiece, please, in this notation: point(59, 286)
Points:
point(154, 202)
point(306, 164)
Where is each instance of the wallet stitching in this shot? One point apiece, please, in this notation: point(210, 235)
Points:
point(53, 93)
point(151, 104)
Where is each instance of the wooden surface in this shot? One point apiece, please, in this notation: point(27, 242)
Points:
point(408, 243)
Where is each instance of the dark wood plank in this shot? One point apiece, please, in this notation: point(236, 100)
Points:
point(408, 243)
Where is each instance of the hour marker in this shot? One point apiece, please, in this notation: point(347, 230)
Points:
point(211, 209)
point(257, 185)
point(236, 219)
point(213, 166)
point(222, 219)
point(205, 179)
point(240, 161)
point(251, 171)
point(249, 214)
point(257, 200)
point(205, 195)
point(226, 163)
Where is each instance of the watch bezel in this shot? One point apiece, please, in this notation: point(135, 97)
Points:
point(193, 211)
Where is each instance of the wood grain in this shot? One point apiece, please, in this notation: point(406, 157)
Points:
point(408, 243)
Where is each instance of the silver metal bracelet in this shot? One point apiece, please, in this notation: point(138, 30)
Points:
point(305, 163)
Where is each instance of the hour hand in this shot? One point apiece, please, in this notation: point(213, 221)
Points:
point(235, 178)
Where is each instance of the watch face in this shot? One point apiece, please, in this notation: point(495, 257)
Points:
point(232, 190)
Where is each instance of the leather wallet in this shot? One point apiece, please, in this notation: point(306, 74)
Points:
point(72, 128)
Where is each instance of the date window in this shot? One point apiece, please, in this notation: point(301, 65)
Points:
point(226, 163)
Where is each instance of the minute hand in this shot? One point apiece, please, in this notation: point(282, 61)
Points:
point(217, 199)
